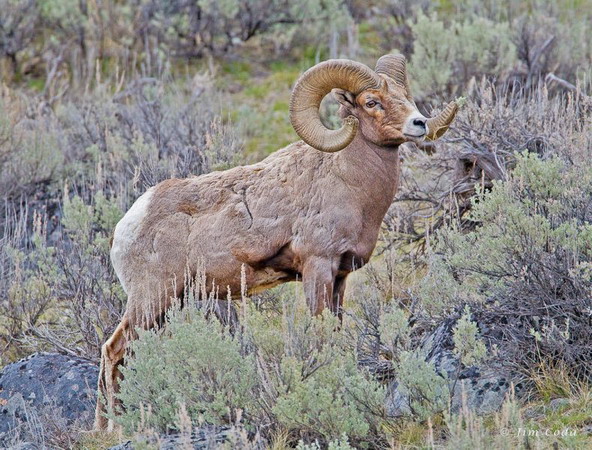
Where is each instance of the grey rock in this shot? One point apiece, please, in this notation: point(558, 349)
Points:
point(485, 392)
point(45, 385)
point(484, 387)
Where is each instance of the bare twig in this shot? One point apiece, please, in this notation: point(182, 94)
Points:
point(552, 78)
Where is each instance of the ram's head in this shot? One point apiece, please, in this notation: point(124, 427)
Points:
point(377, 103)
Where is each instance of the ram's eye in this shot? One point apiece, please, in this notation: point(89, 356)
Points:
point(371, 104)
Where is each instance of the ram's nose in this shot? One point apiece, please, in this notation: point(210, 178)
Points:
point(421, 123)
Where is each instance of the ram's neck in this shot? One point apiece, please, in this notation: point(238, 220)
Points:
point(373, 173)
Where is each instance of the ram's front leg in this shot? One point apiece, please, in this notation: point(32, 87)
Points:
point(318, 277)
point(338, 294)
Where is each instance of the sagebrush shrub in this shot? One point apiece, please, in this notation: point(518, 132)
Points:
point(448, 55)
point(193, 362)
point(426, 389)
point(334, 399)
point(291, 370)
point(467, 345)
point(394, 329)
point(319, 390)
point(30, 153)
point(528, 259)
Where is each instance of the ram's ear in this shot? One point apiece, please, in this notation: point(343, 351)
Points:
point(345, 98)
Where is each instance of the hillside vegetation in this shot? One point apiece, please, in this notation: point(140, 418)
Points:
point(491, 229)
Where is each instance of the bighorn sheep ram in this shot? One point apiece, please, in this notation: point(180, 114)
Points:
point(311, 211)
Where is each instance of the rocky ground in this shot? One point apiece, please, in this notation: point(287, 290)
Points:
point(45, 391)
point(484, 387)
point(49, 391)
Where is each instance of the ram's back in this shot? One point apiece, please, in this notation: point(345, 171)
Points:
point(221, 220)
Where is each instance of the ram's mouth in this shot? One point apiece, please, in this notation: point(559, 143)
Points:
point(415, 136)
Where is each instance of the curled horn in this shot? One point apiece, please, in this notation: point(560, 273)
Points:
point(310, 89)
point(395, 67)
point(438, 125)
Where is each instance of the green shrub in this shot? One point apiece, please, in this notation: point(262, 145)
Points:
point(528, 258)
point(394, 330)
point(467, 345)
point(318, 389)
point(426, 389)
point(306, 378)
point(193, 362)
point(448, 55)
point(330, 401)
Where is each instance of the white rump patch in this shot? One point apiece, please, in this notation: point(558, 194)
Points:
point(126, 232)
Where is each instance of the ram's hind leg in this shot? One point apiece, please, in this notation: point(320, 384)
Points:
point(112, 354)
